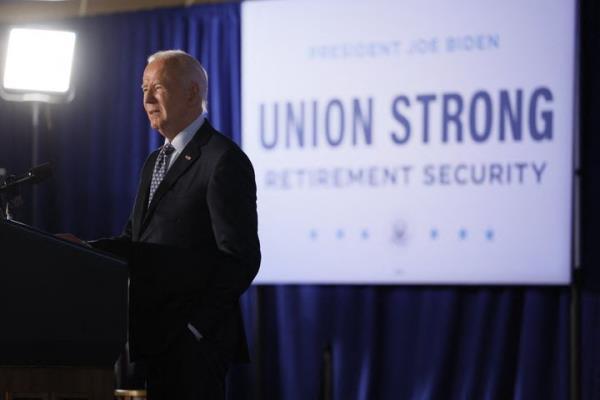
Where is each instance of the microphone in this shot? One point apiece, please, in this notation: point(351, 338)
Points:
point(35, 175)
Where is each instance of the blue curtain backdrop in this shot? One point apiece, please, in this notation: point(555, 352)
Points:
point(358, 342)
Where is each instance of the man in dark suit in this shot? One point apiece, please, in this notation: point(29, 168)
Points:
point(191, 240)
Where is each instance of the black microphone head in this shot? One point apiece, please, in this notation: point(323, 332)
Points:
point(40, 173)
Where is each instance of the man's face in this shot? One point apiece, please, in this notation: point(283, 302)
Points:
point(165, 98)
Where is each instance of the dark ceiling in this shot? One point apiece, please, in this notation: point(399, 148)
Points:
point(15, 11)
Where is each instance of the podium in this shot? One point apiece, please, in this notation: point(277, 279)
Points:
point(63, 316)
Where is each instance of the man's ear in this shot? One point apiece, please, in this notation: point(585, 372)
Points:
point(194, 92)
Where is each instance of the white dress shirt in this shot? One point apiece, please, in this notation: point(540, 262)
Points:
point(184, 137)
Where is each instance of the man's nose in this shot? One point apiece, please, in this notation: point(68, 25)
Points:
point(149, 97)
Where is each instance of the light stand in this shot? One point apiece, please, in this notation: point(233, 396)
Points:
point(35, 159)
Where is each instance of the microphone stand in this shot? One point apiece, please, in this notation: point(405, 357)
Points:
point(7, 211)
point(10, 193)
point(9, 198)
point(3, 212)
point(4, 205)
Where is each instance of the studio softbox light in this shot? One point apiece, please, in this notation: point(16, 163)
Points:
point(38, 65)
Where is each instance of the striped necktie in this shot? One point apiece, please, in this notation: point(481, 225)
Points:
point(160, 168)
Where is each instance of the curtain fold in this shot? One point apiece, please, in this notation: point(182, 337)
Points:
point(391, 342)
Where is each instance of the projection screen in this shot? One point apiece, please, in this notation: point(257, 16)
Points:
point(416, 142)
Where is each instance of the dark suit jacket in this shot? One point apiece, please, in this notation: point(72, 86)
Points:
point(194, 250)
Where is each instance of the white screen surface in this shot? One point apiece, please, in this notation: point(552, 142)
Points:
point(411, 141)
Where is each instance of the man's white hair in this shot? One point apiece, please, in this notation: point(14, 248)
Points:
point(190, 66)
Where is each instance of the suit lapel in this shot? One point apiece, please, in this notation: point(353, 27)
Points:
point(186, 159)
point(141, 200)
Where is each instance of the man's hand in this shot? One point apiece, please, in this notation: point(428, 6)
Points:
point(72, 238)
